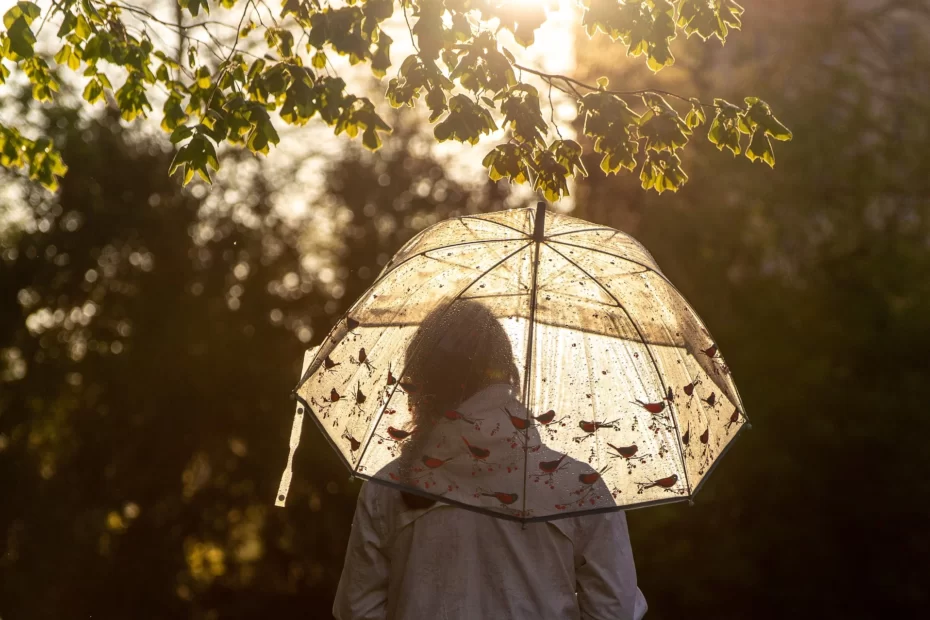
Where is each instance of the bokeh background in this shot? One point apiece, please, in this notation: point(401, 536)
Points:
point(150, 336)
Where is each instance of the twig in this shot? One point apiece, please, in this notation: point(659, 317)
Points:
point(203, 24)
point(552, 113)
point(572, 81)
point(403, 4)
point(55, 5)
point(224, 67)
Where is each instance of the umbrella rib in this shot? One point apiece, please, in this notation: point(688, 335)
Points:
point(439, 247)
point(681, 452)
point(581, 230)
point(516, 230)
point(627, 259)
point(387, 401)
point(528, 367)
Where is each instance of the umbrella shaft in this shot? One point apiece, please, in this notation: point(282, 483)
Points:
point(540, 226)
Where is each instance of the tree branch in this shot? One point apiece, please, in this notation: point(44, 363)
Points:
point(571, 82)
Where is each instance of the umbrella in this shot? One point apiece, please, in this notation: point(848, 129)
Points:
point(524, 364)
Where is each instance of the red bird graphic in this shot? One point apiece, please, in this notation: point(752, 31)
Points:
point(551, 466)
point(705, 436)
point(398, 434)
point(545, 418)
point(453, 415)
point(658, 407)
point(504, 498)
point(478, 453)
point(521, 424)
point(626, 452)
point(589, 478)
point(689, 389)
point(665, 483)
point(590, 427)
point(710, 351)
point(433, 462)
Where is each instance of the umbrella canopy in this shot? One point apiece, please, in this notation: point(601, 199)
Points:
point(525, 364)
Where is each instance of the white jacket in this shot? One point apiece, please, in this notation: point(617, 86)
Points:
point(447, 563)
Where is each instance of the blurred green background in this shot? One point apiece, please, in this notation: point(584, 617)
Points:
point(149, 338)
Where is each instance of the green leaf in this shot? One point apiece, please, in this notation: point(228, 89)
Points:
point(568, 154)
point(194, 6)
point(20, 36)
point(197, 156)
point(507, 161)
point(760, 147)
point(67, 24)
point(93, 91)
point(174, 116)
point(663, 129)
point(63, 55)
point(204, 78)
point(181, 132)
point(759, 113)
point(662, 171)
point(724, 130)
point(27, 11)
point(695, 117)
point(82, 28)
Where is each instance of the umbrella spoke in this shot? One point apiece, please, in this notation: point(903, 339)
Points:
point(575, 232)
point(474, 217)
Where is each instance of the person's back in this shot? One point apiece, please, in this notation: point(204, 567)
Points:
point(415, 558)
point(444, 562)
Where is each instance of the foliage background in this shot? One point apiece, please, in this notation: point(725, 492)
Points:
point(149, 337)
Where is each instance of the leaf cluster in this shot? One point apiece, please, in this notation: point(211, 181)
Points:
point(471, 84)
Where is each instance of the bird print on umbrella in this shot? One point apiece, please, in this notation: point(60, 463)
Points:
point(667, 483)
point(627, 453)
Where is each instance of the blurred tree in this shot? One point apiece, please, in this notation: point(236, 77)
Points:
point(813, 281)
point(227, 98)
point(149, 338)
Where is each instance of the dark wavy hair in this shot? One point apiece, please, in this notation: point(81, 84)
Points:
point(458, 350)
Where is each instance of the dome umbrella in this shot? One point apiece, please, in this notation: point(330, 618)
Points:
point(524, 364)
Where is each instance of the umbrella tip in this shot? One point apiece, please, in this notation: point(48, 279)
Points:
point(691, 502)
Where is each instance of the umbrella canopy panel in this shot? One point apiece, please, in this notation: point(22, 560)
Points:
point(528, 377)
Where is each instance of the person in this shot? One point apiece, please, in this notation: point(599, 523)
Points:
point(412, 557)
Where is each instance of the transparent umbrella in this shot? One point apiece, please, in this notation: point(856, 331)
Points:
point(524, 364)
